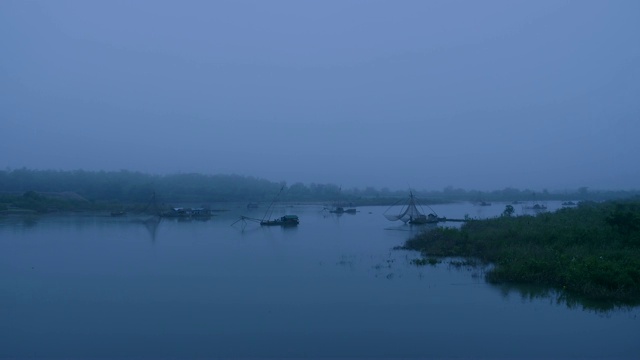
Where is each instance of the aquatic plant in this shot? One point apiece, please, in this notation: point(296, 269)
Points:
point(425, 261)
point(592, 250)
point(508, 211)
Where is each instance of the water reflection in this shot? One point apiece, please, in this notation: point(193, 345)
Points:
point(322, 289)
point(80, 222)
point(478, 270)
point(382, 266)
point(415, 229)
point(560, 297)
point(152, 224)
point(20, 221)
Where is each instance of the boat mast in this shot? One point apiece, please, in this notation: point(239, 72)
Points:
point(269, 210)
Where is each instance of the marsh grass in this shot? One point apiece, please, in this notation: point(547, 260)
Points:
point(426, 261)
point(592, 250)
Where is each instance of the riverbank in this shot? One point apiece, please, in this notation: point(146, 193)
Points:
point(32, 202)
point(592, 250)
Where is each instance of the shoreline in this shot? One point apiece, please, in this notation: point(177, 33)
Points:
point(592, 250)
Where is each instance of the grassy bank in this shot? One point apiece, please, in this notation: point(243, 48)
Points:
point(592, 250)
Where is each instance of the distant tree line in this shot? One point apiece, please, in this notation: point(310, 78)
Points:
point(136, 187)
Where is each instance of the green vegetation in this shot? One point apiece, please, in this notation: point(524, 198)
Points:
point(424, 261)
point(592, 250)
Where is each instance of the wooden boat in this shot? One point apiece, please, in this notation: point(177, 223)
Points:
point(341, 210)
point(287, 220)
point(537, 207)
point(424, 219)
point(339, 206)
point(187, 213)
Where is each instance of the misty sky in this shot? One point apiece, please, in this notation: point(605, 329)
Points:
point(473, 94)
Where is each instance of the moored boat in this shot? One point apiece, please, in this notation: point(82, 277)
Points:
point(287, 220)
point(537, 207)
point(187, 213)
point(342, 210)
point(424, 219)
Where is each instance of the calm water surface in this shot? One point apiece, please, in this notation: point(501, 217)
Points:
point(96, 286)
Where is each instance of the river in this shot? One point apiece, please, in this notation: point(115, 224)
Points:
point(81, 286)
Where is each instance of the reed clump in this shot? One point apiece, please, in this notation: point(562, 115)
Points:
point(592, 250)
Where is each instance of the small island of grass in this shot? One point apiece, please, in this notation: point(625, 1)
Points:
point(592, 250)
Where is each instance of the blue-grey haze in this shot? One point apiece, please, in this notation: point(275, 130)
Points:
point(472, 94)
